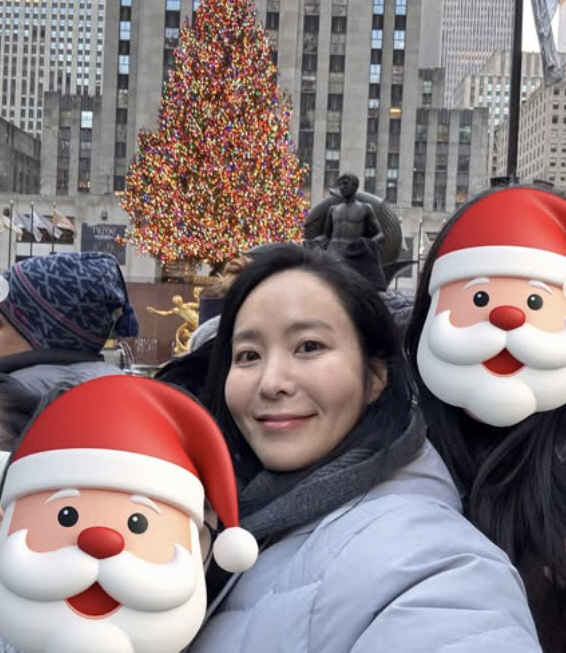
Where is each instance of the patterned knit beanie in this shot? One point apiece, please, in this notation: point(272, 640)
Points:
point(68, 300)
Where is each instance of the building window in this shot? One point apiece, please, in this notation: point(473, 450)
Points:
point(400, 7)
point(272, 20)
point(377, 39)
point(391, 192)
point(333, 140)
point(125, 30)
point(337, 63)
point(86, 119)
point(124, 64)
point(375, 73)
point(311, 24)
point(378, 6)
point(396, 95)
point(398, 40)
point(339, 24)
point(306, 142)
point(374, 91)
point(308, 101)
point(335, 101)
point(310, 62)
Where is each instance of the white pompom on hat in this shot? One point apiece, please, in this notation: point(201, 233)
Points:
point(511, 232)
point(138, 435)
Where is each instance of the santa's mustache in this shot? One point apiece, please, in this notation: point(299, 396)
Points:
point(61, 574)
point(480, 342)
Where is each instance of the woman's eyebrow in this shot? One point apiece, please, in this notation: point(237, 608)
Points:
point(305, 325)
point(246, 334)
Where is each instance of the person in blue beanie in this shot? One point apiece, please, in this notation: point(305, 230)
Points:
point(58, 312)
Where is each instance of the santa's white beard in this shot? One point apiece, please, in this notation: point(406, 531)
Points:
point(449, 361)
point(153, 617)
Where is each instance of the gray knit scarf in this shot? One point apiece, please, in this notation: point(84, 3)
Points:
point(385, 439)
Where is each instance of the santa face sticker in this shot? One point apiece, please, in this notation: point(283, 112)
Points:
point(122, 568)
point(99, 545)
point(494, 340)
point(496, 347)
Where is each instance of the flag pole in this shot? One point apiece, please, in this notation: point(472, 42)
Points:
point(31, 227)
point(10, 233)
point(402, 247)
point(419, 251)
point(53, 227)
point(515, 92)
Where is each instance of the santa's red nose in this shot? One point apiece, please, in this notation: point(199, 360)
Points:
point(101, 542)
point(507, 318)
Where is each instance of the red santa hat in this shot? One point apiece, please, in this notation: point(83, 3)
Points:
point(136, 435)
point(512, 232)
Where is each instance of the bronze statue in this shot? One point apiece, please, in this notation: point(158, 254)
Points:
point(338, 222)
point(350, 218)
point(188, 312)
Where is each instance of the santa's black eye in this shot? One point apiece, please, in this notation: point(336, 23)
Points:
point(138, 523)
point(68, 516)
point(535, 302)
point(481, 298)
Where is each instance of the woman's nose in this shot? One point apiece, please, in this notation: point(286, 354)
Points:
point(100, 542)
point(276, 378)
point(507, 318)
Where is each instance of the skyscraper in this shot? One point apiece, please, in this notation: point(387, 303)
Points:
point(351, 70)
point(47, 45)
point(471, 31)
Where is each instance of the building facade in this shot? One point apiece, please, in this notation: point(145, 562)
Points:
point(351, 68)
point(19, 160)
point(489, 88)
point(471, 31)
point(48, 45)
point(542, 138)
point(450, 149)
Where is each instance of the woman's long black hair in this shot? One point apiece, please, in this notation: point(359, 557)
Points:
point(378, 336)
point(513, 480)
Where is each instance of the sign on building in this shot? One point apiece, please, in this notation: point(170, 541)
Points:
point(102, 238)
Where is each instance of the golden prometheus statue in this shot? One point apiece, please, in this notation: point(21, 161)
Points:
point(188, 312)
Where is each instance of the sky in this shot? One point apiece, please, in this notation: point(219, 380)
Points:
point(530, 41)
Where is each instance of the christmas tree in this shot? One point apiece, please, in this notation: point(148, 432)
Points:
point(219, 174)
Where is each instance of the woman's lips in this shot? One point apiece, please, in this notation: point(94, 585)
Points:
point(504, 364)
point(282, 422)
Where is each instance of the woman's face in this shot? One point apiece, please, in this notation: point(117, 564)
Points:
point(297, 383)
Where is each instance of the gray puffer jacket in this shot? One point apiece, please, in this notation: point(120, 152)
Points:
point(26, 377)
point(397, 570)
point(41, 370)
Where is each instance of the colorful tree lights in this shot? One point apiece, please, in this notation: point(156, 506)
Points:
point(219, 174)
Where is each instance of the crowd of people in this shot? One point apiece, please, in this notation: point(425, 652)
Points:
point(402, 475)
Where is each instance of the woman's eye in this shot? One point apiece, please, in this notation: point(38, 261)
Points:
point(247, 356)
point(309, 346)
point(535, 302)
point(68, 516)
point(481, 298)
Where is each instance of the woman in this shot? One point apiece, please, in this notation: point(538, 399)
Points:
point(509, 463)
point(363, 547)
